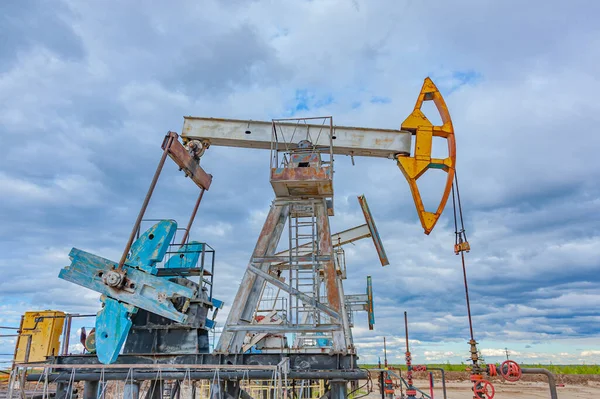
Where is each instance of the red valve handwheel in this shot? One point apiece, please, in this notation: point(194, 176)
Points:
point(485, 389)
point(511, 371)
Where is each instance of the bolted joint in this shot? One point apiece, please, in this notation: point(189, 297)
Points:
point(113, 278)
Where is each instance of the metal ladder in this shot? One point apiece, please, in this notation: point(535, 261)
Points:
point(304, 275)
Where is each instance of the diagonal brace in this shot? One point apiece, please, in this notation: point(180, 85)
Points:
point(290, 290)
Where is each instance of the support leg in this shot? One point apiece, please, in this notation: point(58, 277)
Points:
point(131, 390)
point(248, 295)
point(90, 389)
point(156, 389)
point(334, 298)
point(339, 389)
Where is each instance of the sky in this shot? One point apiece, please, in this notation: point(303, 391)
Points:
point(89, 89)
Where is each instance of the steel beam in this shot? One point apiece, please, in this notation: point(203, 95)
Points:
point(284, 328)
point(356, 141)
point(334, 298)
point(80, 375)
point(291, 290)
point(373, 229)
point(248, 295)
point(339, 239)
point(210, 361)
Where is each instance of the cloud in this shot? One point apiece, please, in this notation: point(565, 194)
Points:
point(88, 93)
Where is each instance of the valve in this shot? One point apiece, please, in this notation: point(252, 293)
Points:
point(511, 371)
point(483, 389)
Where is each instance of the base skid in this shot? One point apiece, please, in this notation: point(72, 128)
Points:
point(203, 366)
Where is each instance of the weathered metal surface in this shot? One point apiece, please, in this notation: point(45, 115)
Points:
point(186, 162)
point(188, 228)
point(140, 289)
point(362, 302)
point(38, 335)
point(284, 328)
point(113, 323)
point(370, 305)
point(248, 294)
point(334, 298)
point(415, 166)
point(298, 361)
point(136, 226)
point(299, 258)
point(373, 230)
point(346, 330)
point(357, 141)
point(303, 297)
point(90, 390)
point(302, 182)
point(309, 158)
point(151, 247)
point(81, 375)
point(357, 298)
point(186, 256)
point(338, 239)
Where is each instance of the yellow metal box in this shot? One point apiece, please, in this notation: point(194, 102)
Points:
point(41, 332)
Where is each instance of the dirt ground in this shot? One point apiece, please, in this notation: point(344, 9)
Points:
point(504, 390)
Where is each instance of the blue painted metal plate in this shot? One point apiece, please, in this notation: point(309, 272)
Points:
point(152, 246)
point(148, 292)
point(113, 323)
point(370, 307)
point(186, 256)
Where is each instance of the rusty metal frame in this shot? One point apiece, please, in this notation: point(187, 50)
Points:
point(186, 162)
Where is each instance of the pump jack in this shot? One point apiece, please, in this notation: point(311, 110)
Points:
point(301, 175)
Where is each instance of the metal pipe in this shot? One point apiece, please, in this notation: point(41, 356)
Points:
point(77, 375)
point(443, 378)
point(140, 216)
point(431, 384)
point(551, 380)
point(385, 363)
point(406, 329)
point(192, 217)
point(67, 335)
point(462, 256)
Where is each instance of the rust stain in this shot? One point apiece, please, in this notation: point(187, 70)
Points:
point(312, 174)
point(329, 272)
point(184, 160)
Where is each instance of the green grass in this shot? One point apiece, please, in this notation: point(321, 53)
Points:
point(554, 368)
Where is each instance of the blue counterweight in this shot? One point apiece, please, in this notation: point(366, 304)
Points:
point(174, 301)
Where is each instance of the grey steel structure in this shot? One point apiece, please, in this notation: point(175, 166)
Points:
point(305, 274)
point(308, 272)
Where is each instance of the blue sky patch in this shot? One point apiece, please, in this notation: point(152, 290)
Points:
point(380, 100)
